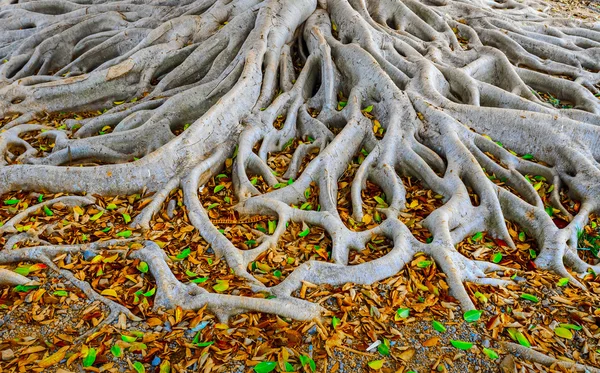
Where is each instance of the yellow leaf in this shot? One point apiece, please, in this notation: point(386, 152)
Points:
point(414, 203)
point(78, 210)
point(178, 315)
point(54, 358)
point(221, 286)
point(221, 326)
point(97, 259)
point(263, 267)
point(375, 364)
point(110, 259)
point(109, 292)
point(376, 125)
point(367, 219)
point(119, 102)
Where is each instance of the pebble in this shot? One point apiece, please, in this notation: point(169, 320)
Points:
point(155, 361)
point(8, 355)
point(88, 255)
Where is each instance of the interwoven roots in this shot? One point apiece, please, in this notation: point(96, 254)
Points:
point(420, 86)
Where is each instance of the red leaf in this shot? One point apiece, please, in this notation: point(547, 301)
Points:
point(531, 265)
point(560, 223)
point(500, 242)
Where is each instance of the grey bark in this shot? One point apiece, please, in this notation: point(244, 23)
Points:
point(229, 68)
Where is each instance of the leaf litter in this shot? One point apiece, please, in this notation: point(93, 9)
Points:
point(412, 315)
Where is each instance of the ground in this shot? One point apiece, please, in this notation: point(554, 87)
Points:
point(407, 322)
point(44, 320)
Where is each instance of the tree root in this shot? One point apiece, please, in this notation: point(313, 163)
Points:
point(409, 88)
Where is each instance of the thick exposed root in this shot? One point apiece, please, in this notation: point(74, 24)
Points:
point(413, 88)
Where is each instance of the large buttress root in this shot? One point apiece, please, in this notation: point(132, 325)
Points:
point(417, 89)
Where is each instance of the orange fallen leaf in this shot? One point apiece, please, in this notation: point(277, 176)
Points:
point(54, 358)
point(431, 342)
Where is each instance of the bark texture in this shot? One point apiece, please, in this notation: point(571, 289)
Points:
point(439, 75)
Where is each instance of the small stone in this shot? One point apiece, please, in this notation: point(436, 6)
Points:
point(485, 343)
point(8, 355)
point(88, 255)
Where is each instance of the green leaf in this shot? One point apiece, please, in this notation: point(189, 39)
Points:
point(218, 188)
point(12, 201)
point(22, 270)
point(477, 236)
point(375, 364)
point(472, 315)
point(368, 109)
point(571, 326)
point(307, 360)
point(384, 349)
point(165, 367)
point(522, 236)
point(124, 234)
point(221, 286)
point(40, 198)
point(47, 211)
point(143, 267)
point(523, 341)
point(265, 366)
point(306, 206)
point(482, 298)
point(532, 253)
point(530, 297)
point(97, 216)
point(304, 233)
point(277, 273)
point(563, 332)
point(126, 218)
point(497, 257)
point(212, 206)
point(88, 361)
point(424, 263)
point(380, 201)
point(25, 288)
point(402, 313)
point(205, 344)
point(184, 253)
point(438, 326)
point(490, 353)
point(335, 322)
point(272, 226)
point(461, 345)
point(111, 206)
point(199, 280)
point(527, 156)
point(61, 293)
point(563, 281)
point(116, 350)
point(128, 338)
point(139, 367)
point(289, 367)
